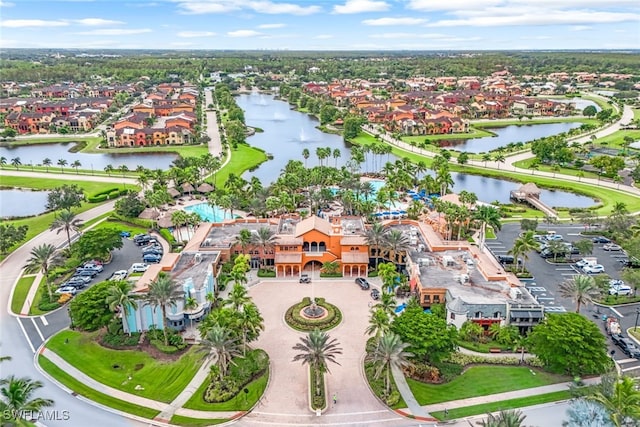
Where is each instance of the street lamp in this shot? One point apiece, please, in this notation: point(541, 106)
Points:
point(635, 327)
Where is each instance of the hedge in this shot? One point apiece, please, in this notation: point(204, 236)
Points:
point(110, 193)
point(318, 398)
point(242, 371)
point(299, 323)
point(468, 359)
point(167, 349)
point(145, 223)
point(266, 273)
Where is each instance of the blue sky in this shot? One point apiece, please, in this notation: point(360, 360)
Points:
point(321, 24)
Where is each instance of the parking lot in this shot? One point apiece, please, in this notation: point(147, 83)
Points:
point(547, 277)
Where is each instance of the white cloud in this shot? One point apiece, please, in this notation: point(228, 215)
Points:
point(96, 22)
point(394, 21)
point(429, 5)
point(192, 34)
point(323, 36)
point(270, 26)
point(259, 6)
point(243, 33)
point(548, 17)
point(115, 32)
point(6, 4)
point(360, 6)
point(25, 23)
point(580, 28)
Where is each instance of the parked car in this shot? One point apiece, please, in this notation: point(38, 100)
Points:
point(304, 278)
point(630, 263)
point(87, 272)
point(151, 258)
point(66, 290)
point(593, 269)
point(364, 285)
point(620, 290)
point(628, 347)
point(141, 239)
point(506, 259)
point(600, 239)
point(139, 267)
point(77, 285)
point(612, 247)
point(83, 279)
point(119, 275)
point(153, 251)
point(555, 237)
point(125, 234)
point(616, 338)
point(548, 254)
point(375, 294)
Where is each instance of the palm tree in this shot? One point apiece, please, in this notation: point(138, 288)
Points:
point(119, 298)
point(164, 291)
point(622, 401)
point(389, 353)
point(43, 257)
point(522, 246)
point(76, 164)
point(487, 215)
point(379, 323)
point(17, 400)
point(316, 350)
point(244, 239)
point(3, 161)
point(581, 288)
point(375, 239)
point(16, 162)
point(305, 154)
point(485, 158)
point(68, 222)
point(396, 242)
point(108, 169)
point(504, 419)
point(62, 163)
point(499, 158)
point(220, 344)
point(190, 304)
point(251, 322)
point(265, 239)
point(388, 303)
point(238, 297)
point(46, 163)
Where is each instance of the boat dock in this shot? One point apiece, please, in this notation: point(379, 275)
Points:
point(530, 194)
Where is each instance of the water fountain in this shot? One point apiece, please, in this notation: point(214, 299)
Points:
point(303, 136)
point(313, 311)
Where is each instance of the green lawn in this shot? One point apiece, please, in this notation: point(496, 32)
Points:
point(36, 140)
point(538, 399)
point(525, 122)
point(183, 150)
point(179, 420)
point(636, 113)
point(243, 158)
point(547, 168)
point(20, 293)
point(160, 381)
point(93, 220)
point(616, 139)
point(83, 390)
point(239, 403)
point(89, 187)
point(122, 226)
point(34, 310)
point(482, 381)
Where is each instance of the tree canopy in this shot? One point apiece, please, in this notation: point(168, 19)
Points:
point(97, 243)
point(90, 310)
point(65, 197)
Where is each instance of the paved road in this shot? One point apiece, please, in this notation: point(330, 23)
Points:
point(547, 415)
point(215, 145)
point(13, 342)
point(67, 176)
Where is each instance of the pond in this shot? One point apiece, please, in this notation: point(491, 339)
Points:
point(507, 135)
point(35, 154)
point(15, 203)
point(287, 132)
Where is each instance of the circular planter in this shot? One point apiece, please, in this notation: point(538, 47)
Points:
point(330, 319)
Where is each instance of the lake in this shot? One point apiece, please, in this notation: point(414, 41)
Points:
point(506, 135)
point(35, 154)
point(19, 203)
point(287, 132)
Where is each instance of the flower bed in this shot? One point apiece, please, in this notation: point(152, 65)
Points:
point(299, 323)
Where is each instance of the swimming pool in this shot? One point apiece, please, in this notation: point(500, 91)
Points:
point(207, 213)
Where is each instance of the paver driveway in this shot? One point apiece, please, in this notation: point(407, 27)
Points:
point(285, 402)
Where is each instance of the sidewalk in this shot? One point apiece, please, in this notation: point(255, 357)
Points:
point(414, 407)
point(166, 409)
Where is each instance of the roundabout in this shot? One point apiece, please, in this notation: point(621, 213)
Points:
point(310, 314)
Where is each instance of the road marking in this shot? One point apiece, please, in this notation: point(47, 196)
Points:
point(37, 329)
point(569, 274)
point(44, 320)
point(500, 251)
point(344, 423)
point(626, 369)
point(537, 289)
point(564, 269)
point(626, 361)
point(25, 335)
point(616, 312)
point(551, 298)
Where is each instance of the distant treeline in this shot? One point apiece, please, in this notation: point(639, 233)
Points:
point(22, 65)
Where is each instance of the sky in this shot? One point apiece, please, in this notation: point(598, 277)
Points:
point(321, 24)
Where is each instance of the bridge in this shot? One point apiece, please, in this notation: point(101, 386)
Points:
point(530, 194)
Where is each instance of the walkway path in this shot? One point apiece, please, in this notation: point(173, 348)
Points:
point(407, 395)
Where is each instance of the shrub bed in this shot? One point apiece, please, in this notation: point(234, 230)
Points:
point(110, 193)
point(299, 323)
point(156, 338)
point(120, 340)
point(330, 274)
point(145, 223)
point(468, 359)
point(393, 399)
point(242, 371)
point(316, 385)
point(266, 273)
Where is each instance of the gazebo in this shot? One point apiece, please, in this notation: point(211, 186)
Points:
point(187, 188)
point(526, 190)
point(149, 213)
point(205, 188)
point(173, 192)
point(165, 222)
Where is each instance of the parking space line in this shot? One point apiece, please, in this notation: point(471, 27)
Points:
point(621, 361)
point(37, 329)
point(633, 368)
point(44, 320)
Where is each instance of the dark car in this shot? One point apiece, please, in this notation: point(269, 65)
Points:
point(617, 338)
point(87, 272)
point(84, 279)
point(151, 258)
point(375, 294)
point(627, 346)
point(77, 285)
point(141, 239)
point(304, 278)
point(630, 263)
point(364, 285)
point(600, 239)
point(153, 250)
point(506, 259)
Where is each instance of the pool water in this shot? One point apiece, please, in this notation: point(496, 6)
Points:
point(207, 213)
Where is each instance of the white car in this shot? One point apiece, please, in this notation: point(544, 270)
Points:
point(119, 275)
point(66, 290)
point(139, 267)
point(593, 269)
point(612, 247)
point(620, 290)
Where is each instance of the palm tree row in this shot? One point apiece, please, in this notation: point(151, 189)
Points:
point(389, 244)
